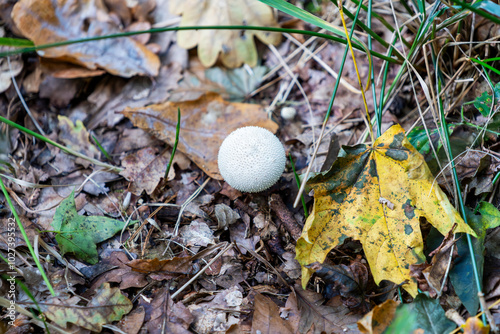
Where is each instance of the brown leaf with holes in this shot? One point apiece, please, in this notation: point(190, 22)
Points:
point(52, 21)
point(205, 123)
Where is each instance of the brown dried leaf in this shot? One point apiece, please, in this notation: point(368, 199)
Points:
point(378, 319)
point(266, 317)
point(145, 168)
point(318, 318)
point(176, 265)
point(132, 322)
point(116, 94)
point(51, 21)
point(434, 273)
point(163, 316)
point(205, 123)
point(120, 273)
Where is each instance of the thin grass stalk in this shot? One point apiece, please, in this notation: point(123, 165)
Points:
point(26, 239)
point(378, 113)
point(361, 88)
point(174, 148)
point(158, 30)
point(446, 135)
point(364, 27)
point(59, 146)
point(328, 112)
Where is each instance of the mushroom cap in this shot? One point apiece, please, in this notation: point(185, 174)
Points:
point(251, 159)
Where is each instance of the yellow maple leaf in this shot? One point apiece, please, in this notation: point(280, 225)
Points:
point(376, 194)
point(237, 46)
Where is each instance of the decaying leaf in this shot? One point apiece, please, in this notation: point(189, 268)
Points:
point(51, 21)
point(106, 306)
point(205, 123)
point(347, 205)
point(475, 326)
point(378, 319)
point(237, 46)
point(347, 281)
point(176, 265)
point(266, 317)
point(216, 315)
point(225, 216)
point(145, 168)
point(197, 233)
point(434, 273)
point(76, 137)
point(80, 234)
point(316, 317)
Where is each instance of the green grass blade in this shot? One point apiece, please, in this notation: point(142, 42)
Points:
point(375, 15)
point(446, 134)
point(177, 131)
point(299, 13)
point(26, 240)
point(366, 28)
point(16, 42)
point(103, 151)
point(483, 8)
point(482, 63)
point(61, 147)
point(360, 47)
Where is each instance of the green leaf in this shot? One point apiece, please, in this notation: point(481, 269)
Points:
point(107, 305)
point(404, 321)
point(79, 234)
point(484, 101)
point(419, 139)
point(461, 275)
point(430, 316)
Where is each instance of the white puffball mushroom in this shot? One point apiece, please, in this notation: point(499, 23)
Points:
point(251, 159)
point(288, 113)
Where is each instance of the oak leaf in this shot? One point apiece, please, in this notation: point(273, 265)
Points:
point(377, 194)
point(237, 46)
